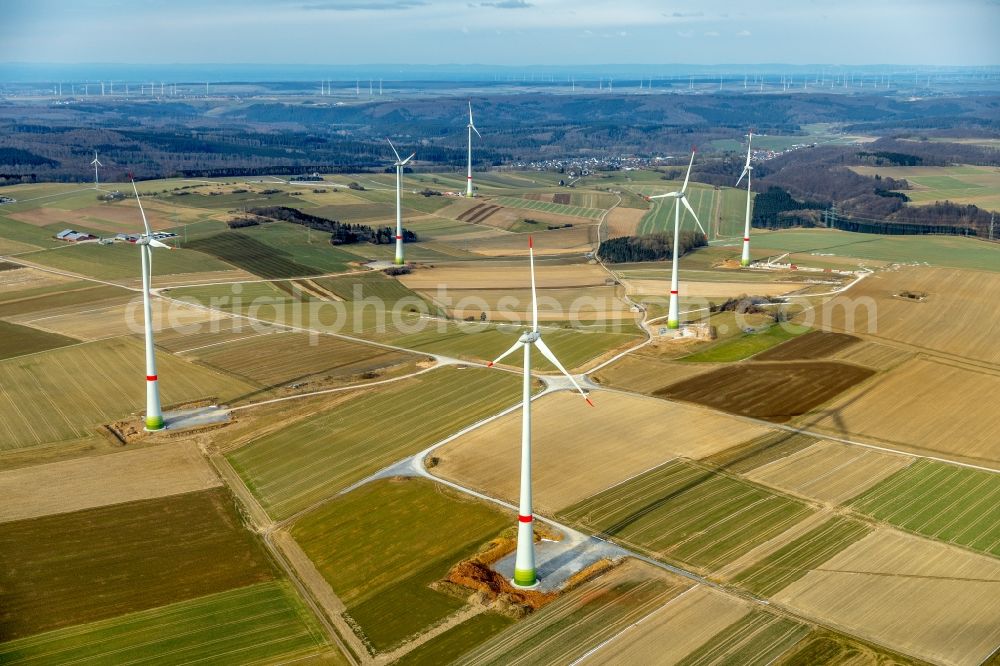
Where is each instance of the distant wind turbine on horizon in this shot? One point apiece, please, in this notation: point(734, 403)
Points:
point(96, 163)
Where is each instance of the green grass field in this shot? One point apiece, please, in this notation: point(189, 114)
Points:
point(758, 639)
point(381, 545)
point(64, 394)
point(745, 345)
point(942, 501)
point(121, 261)
point(16, 340)
point(660, 219)
point(967, 184)
point(304, 246)
point(58, 296)
point(251, 624)
point(949, 251)
point(685, 513)
point(247, 252)
point(548, 207)
point(455, 642)
point(795, 559)
point(314, 458)
point(67, 569)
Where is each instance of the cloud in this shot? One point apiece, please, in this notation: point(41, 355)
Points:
point(686, 34)
point(507, 4)
point(373, 5)
point(687, 14)
point(743, 33)
point(711, 33)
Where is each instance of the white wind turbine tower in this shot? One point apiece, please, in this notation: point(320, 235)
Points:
point(673, 318)
point(154, 417)
point(745, 258)
point(400, 163)
point(524, 562)
point(471, 128)
point(96, 163)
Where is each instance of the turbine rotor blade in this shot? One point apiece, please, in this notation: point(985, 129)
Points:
point(393, 148)
point(412, 155)
point(740, 179)
point(504, 355)
point(688, 175)
point(691, 210)
point(149, 231)
point(155, 243)
point(534, 298)
point(547, 353)
point(668, 195)
point(476, 131)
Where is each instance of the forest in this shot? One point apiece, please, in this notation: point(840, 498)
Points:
point(651, 247)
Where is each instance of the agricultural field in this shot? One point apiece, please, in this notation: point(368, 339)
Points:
point(380, 547)
point(926, 599)
point(828, 244)
point(660, 219)
point(580, 304)
point(797, 558)
point(138, 475)
point(623, 222)
point(55, 297)
point(64, 394)
point(758, 639)
point(301, 244)
point(878, 413)
point(811, 346)
point(568, 628)
point(829, 472)
point(683, 512)
point(17, 281)
point(875, 355)
point(760, 451)
point(645, 374)
point(565, 448)
point(954, 317)
point(505, 275)
point(745, 345)
point(456, 641)
point(775, 392)
point(313, 458)
point(121, 261)
point(553, 208)
point(578, 239)
point(270, 360)
point(575, 348)
point(259, 622)
point(247, 252)
point(946, 502)
point(16, 340)
point(675, 630)
point(72, 568)
point(963, 184)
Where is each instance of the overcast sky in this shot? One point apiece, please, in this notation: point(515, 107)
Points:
point(509, 32)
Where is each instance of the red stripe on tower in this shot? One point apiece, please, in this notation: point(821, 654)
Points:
point(524, 519)
point(399, 238)
point(531, 243)
point(746, 238)
point(469, 177)
point(673, 291)
point(150, 378)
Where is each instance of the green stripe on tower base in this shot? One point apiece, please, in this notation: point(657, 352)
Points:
point(744, 262)
point(525, 577)
point(154, 423)
point(673, 323)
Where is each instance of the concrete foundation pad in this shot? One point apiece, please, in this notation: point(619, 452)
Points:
point(557, 561)
point(198, 417)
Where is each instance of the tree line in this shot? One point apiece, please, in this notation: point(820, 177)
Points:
point(340, 233)
point(650, 247)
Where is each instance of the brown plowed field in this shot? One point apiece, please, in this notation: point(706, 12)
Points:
point(624, 221)
point(772, 391)
point(812, 345)
point(874, 354)
point(478, 213)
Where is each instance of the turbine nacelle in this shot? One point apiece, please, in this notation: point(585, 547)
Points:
point(399, 160)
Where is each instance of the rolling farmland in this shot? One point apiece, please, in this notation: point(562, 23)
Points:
point(682, 512)
point(18, 340)
point(244, 251)
point(566, 629)
point(962, 183)
point(255, 623)
point(64, 394)
point(94, 564)
point(313, 458)
point(811, 346)
point(549, 207)
point(950, 503)
point(381, 545)
point(570, 436)
point(758, 638)
point(926, 599)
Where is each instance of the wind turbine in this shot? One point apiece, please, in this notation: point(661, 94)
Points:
point(524, 562)
point(472, 128)
point(745, 259)
point(400, 163)
point(96, 163)
point(154, 417)
point(673, 320)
